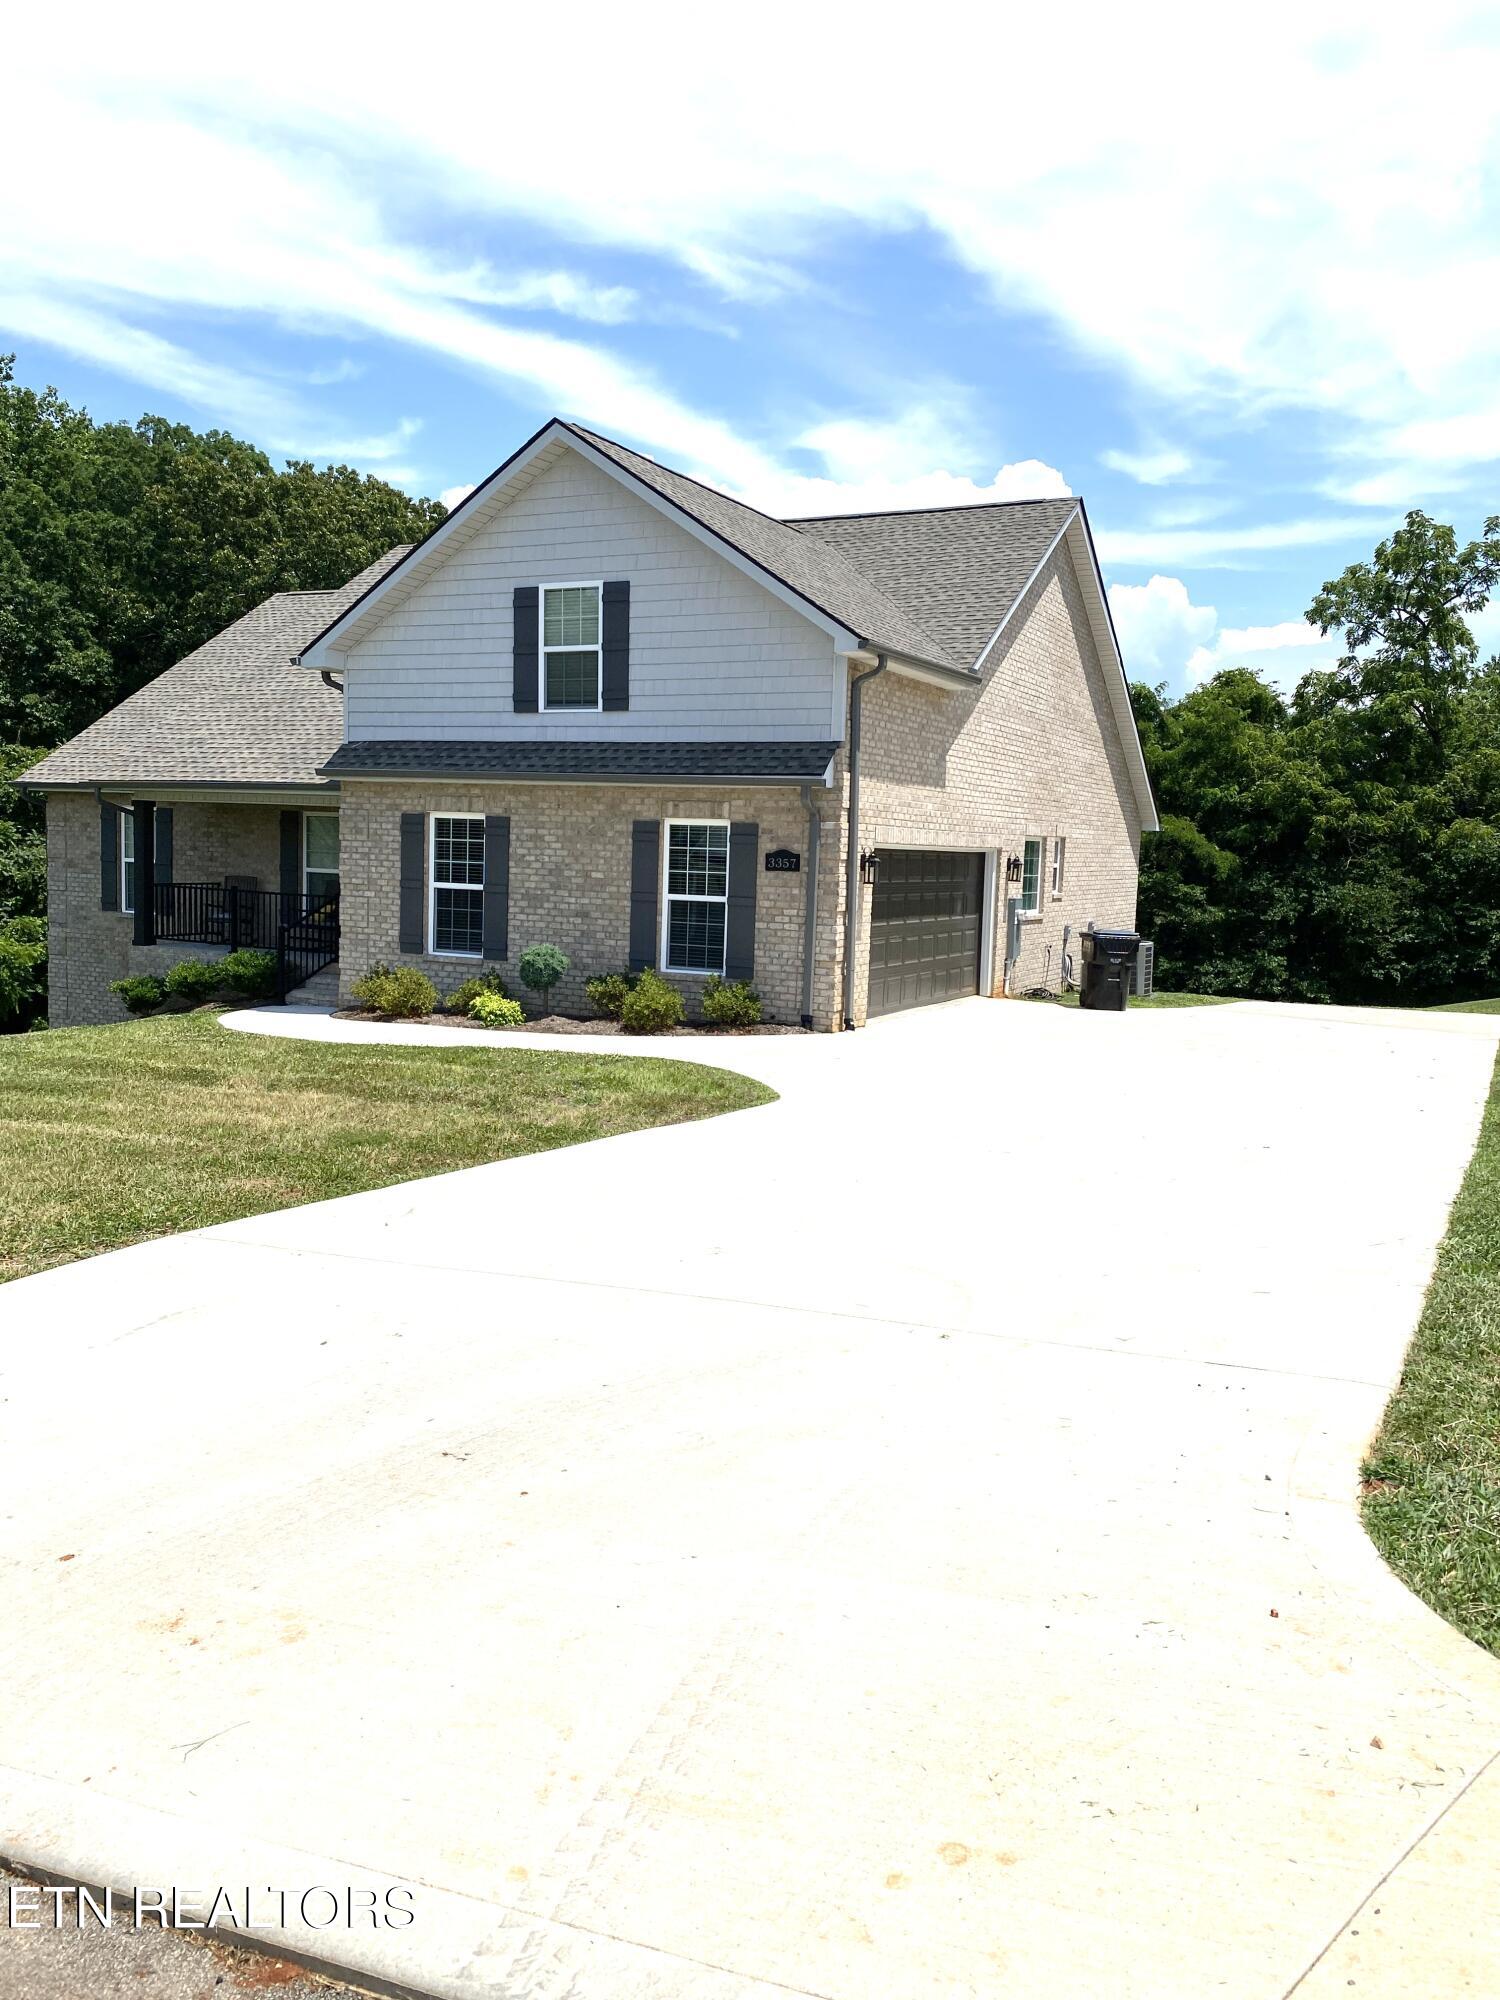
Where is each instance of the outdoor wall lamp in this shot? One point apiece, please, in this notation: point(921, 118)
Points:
point(869, 867)
point(1013, 868)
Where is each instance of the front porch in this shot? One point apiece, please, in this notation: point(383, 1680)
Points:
point(298, 921)
point(300, 927)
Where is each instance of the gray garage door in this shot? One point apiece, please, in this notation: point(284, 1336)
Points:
point(924, 928)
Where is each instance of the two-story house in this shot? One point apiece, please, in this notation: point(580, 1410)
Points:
point(868, 762)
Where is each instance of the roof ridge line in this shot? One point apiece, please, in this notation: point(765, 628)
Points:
point(957, 507)
point(692, 478)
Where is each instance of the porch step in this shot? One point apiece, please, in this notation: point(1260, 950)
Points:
point(322, 990)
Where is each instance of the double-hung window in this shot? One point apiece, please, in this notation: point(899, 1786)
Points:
point(570, 645)
point(1031, 878)
point(697, 895)
point(457, 893)
point(1059, 846)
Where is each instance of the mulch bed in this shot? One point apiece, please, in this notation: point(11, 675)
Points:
point(567, 1024)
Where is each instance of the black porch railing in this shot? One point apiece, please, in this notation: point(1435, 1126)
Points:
point(302, 929)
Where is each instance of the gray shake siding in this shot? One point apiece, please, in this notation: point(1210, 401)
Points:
point(712, 654)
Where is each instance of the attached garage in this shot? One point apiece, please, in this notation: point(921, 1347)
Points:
point(925, 928)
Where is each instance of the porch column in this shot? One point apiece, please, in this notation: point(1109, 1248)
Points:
point(143, 813)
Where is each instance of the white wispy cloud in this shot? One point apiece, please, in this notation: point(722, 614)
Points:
point(1345, 183)
point(1223, 547)
point(1149, 468)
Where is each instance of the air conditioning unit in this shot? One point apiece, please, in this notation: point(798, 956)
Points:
point(1145, 970)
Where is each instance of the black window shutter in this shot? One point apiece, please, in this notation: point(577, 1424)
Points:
point(109, 858)
point(163, 843)
point(739, 923)
point(524, 644)
point(616, 632)
point(291, 853)
point(496, 886)
point(413, 909)
point(645, 865)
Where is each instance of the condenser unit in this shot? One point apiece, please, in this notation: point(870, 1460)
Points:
point(1145, 969)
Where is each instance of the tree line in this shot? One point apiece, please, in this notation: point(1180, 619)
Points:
point(124, 546)
point(1342, 843)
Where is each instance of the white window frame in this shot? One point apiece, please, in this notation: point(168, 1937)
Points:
point(433, 885)
point(127, 833)
point(306, 870)
point(1031, 911)
point(668, 898)
point(543, 649)
point(1059, 865)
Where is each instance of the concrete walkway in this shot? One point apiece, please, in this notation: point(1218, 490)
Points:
point(898, 1541)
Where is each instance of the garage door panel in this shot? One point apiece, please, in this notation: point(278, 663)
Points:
point(924, 928)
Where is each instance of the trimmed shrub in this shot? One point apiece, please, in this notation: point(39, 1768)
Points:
point(730, 1003)
point(496, 1010)
point(461, 999)
point(251, 974)
point(396, 994)
point(609, 992)
point(650, 1006)
point(143, 993)
point(541, 966)
point(193, 980)
point(23, 973)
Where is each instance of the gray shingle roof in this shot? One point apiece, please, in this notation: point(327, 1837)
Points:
point(960, 569)
point(930, 586)
point(812, 565)
point(233, 712)
point(607, 760)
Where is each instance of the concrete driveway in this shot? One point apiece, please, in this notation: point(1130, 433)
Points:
point(899, 1541)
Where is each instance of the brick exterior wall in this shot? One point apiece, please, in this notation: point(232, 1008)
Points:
point(88, 947)
point(570, 849)
point(1033, 751)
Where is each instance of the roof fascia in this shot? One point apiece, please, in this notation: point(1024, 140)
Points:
point(673, 782)
point(1096, 597)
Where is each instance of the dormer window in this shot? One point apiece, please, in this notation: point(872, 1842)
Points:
point(570, 645)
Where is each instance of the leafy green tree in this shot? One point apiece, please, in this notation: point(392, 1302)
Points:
point(1343, 845)
point(124, 546)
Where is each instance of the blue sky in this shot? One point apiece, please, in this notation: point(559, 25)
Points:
point(1242, 291)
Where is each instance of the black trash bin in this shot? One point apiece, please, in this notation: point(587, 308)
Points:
point(1108, 968)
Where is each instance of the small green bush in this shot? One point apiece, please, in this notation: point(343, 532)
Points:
point(730, 1003)
point(463, 996)
point(396, 994)
point(496, 1010)
point(193, 979)
point(23, 972)
point(143, 993)
point(251, 974)
point(541, 966)
point(609, 992)
point(650, 1006)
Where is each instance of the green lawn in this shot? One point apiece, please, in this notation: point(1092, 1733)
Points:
point(1467, 1007)
point(1432, 1479)
point(1167, 1000)
point(110, 1135)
